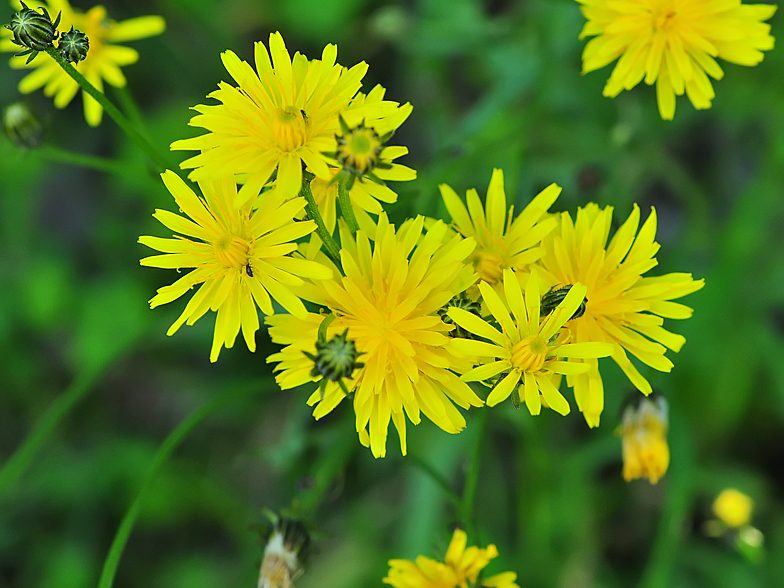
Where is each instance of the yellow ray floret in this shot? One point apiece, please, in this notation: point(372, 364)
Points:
point(622, 307)
point(503, 241)
point(673, 43)
point(242, 258)
point(528, 349)
point(388, 301)
point(281, 115)
point(462, 567)
point(103, 60)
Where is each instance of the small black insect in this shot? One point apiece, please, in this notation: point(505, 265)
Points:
point(249, 271)
point(304, 116)
point(555, 296)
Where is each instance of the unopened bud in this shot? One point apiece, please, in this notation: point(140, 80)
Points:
point(21, 125)
point(74, 45)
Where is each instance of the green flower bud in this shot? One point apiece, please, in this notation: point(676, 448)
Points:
point(555, 296)
point(21, 126)
point(335, 359)
point(73, 45)
point(33, 30)
point(464, 302)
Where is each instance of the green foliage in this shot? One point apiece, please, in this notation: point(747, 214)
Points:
point(91, 387)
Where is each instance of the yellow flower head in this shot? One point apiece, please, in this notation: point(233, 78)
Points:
point(388, 301)
point(242, 258)
point(733, 508)
point(461, 566)
point(501, 241)
point(673, 43)
point(645, 450)
point(622, 307)
point(103, 60)
point(526, 351)
point(281, 116)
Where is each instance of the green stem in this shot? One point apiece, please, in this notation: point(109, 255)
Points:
point(129, 107)
point(330, 245)
point(110, 109)
point(346, 207)
point(331, 465)
point(438, 479)
point(472, 477)
point(99, 163)
point(42, 430)
point(164, 451)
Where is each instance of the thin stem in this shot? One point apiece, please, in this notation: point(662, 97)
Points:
point(438, 479)
point(346, 207)
point(331, 465)
point(472, 476)
point(330, 245)
point(43, 428)
point(164, 451)
point(129, 107)
point(91, 161)
point(110, 109)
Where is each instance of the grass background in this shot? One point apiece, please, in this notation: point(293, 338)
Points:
point(493, 84)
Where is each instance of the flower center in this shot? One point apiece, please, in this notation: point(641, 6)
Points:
point(358, 150)
point(231, 251)
point(529, 354)
point(663, 18)
point(489, 266)
point(290, 128)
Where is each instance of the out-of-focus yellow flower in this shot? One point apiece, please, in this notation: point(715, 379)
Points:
point(733, 507)
point(673, 43)
point(622, 306)
point(460, 569)
point(645, 450)
point(503, 241)
point(102, 62)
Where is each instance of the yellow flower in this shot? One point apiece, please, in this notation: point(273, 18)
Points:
point(389, 301)
point(461, 566)
point(281, 116)
point(645, 450)
point(242, 257)
point(501, 242)
point(733, 507)
point(103, 60)
point(673, 43)
point(622, 308)
point(526, 351)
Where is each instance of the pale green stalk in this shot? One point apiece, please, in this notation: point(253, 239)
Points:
point(111, 110)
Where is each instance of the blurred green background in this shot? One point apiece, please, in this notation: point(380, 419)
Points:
point(494, 83)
